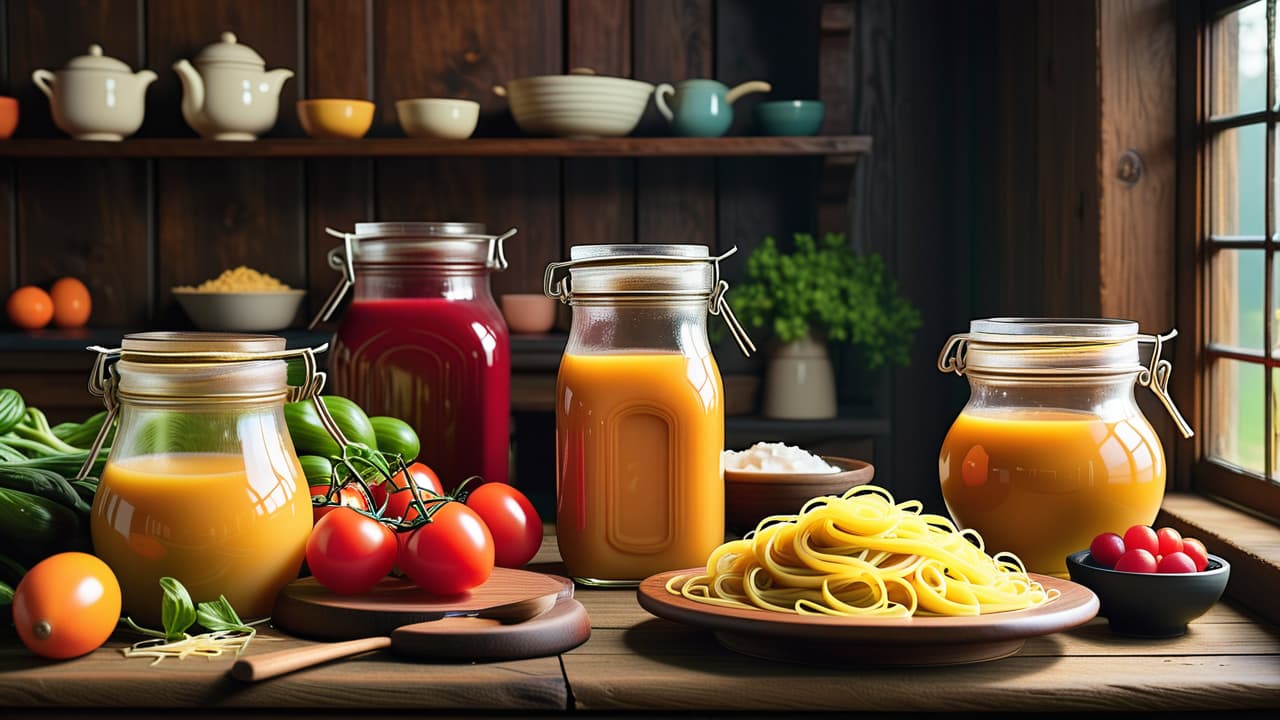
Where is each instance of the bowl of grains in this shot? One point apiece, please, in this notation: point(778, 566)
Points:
point(242, 300)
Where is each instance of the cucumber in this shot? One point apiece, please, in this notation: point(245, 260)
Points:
point(6, 594)
point(45, 483)
point(316, 469)
point(310, 437)
point(395, 437)
point(12, 409)
point(11, 571)
point(32, 527)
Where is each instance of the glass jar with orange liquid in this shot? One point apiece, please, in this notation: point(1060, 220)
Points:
point(1051, 448)
point(202, 483)
point(639, 411)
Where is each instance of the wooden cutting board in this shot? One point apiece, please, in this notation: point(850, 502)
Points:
point(432, 626)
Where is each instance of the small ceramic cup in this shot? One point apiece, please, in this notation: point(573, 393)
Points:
point(335, 117)
point(443, 118)
point(529, 313)
point(8, 117)
point(789, 117)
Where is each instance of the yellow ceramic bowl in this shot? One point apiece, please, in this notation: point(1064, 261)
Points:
point(335, 117)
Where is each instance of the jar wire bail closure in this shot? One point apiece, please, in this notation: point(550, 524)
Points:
point(954, 358)
point(559, 288)
point(104, 383)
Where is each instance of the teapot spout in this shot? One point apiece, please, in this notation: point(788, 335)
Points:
point(275, 79)
point(192, 90)
point(145, 77)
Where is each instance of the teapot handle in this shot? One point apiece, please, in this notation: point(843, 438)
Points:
point(659, 99)
point(43, 80)
point(750, 86)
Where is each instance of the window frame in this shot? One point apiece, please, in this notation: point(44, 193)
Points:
point(1195, 250)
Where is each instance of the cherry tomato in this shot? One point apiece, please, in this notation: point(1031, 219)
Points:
point(1141, 537)
point(348, 495)
point(71, 303)
point(1136, 560)
point(1176, 562)
point(349, 552)
point(1170, 540)
point(1106, 549)
point(1194, 549)
point(400, 497)
point(451, 554)
point(67, 605)
point(29, 308)
point(513, 521)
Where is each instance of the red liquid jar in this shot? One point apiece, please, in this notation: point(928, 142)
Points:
point(424, 341)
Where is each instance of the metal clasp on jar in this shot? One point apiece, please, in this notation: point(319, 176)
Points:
point(560, 288)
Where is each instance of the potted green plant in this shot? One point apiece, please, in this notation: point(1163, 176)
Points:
point(821, 292)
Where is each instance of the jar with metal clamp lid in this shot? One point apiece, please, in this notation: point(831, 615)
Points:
point(201, 483)
point(639, 411)
point(1051, 448)
point(424, 341)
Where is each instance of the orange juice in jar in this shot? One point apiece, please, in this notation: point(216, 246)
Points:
point(639, 412)
point(202, 483)
point(1052, 448)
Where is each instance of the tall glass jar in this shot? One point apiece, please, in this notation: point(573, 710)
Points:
point(424, 341)
point(639, 412)
point(201, 483)
point(1051, 448)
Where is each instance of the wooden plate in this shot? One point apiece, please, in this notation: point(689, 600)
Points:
point(914, 641)
point(308, 609)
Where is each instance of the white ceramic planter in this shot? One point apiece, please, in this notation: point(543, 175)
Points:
point(800, 382)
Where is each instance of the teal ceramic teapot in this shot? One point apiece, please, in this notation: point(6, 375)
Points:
point(701, 107)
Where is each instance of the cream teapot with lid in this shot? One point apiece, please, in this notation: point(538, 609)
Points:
point(96, 97)
point(227, 93)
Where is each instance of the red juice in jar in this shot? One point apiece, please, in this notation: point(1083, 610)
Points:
point(423, 341)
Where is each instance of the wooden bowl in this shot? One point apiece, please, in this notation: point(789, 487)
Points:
point(749, 497)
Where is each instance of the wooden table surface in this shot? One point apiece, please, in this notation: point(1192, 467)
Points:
point(635, 661)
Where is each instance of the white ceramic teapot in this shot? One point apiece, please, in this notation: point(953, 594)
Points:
point(96, 97)
point(228, 94)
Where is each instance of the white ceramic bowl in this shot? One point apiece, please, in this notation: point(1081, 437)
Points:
point(443, 118)
point(577, 105)
point(240, 311)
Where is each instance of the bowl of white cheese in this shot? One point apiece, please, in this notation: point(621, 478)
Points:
point(770, 479)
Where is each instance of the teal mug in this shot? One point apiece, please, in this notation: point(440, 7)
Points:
point(702, 107)
point(789, 117)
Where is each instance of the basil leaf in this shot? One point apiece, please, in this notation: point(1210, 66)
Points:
point(177, 612)
point(219, 616)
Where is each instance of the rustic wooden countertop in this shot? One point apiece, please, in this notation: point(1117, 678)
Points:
point(1229, 660)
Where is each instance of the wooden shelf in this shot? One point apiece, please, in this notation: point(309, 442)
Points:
point(408, 147)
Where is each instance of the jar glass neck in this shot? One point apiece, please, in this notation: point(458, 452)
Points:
point(448, 281)
point(640, 325)
point(1105, 395)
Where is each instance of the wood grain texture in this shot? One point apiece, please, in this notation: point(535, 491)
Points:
point(339, 59)
point(675, 199)
point(462, 49)
point(599, 195)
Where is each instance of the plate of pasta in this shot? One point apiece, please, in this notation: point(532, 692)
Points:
point(862, 579)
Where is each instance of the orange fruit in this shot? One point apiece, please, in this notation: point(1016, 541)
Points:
point(29, 307)
point(71, 303)
point(66, 606)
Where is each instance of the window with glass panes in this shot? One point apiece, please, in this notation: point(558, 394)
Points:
point(1240, 317)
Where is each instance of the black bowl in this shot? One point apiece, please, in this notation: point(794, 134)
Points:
point(1150, 604)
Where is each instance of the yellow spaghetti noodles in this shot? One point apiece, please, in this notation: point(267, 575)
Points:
point(862, 554)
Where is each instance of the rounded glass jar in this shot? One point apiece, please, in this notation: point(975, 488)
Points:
point(1051, 448)
point(639, 412)
point(424, 341)
point(202, 483)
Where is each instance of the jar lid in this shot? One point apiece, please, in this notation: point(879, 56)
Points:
point(95, 60)
point(229, 50)
point(1025, 329)
point(223, 367)
point(402, 243)
point(641, 269)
